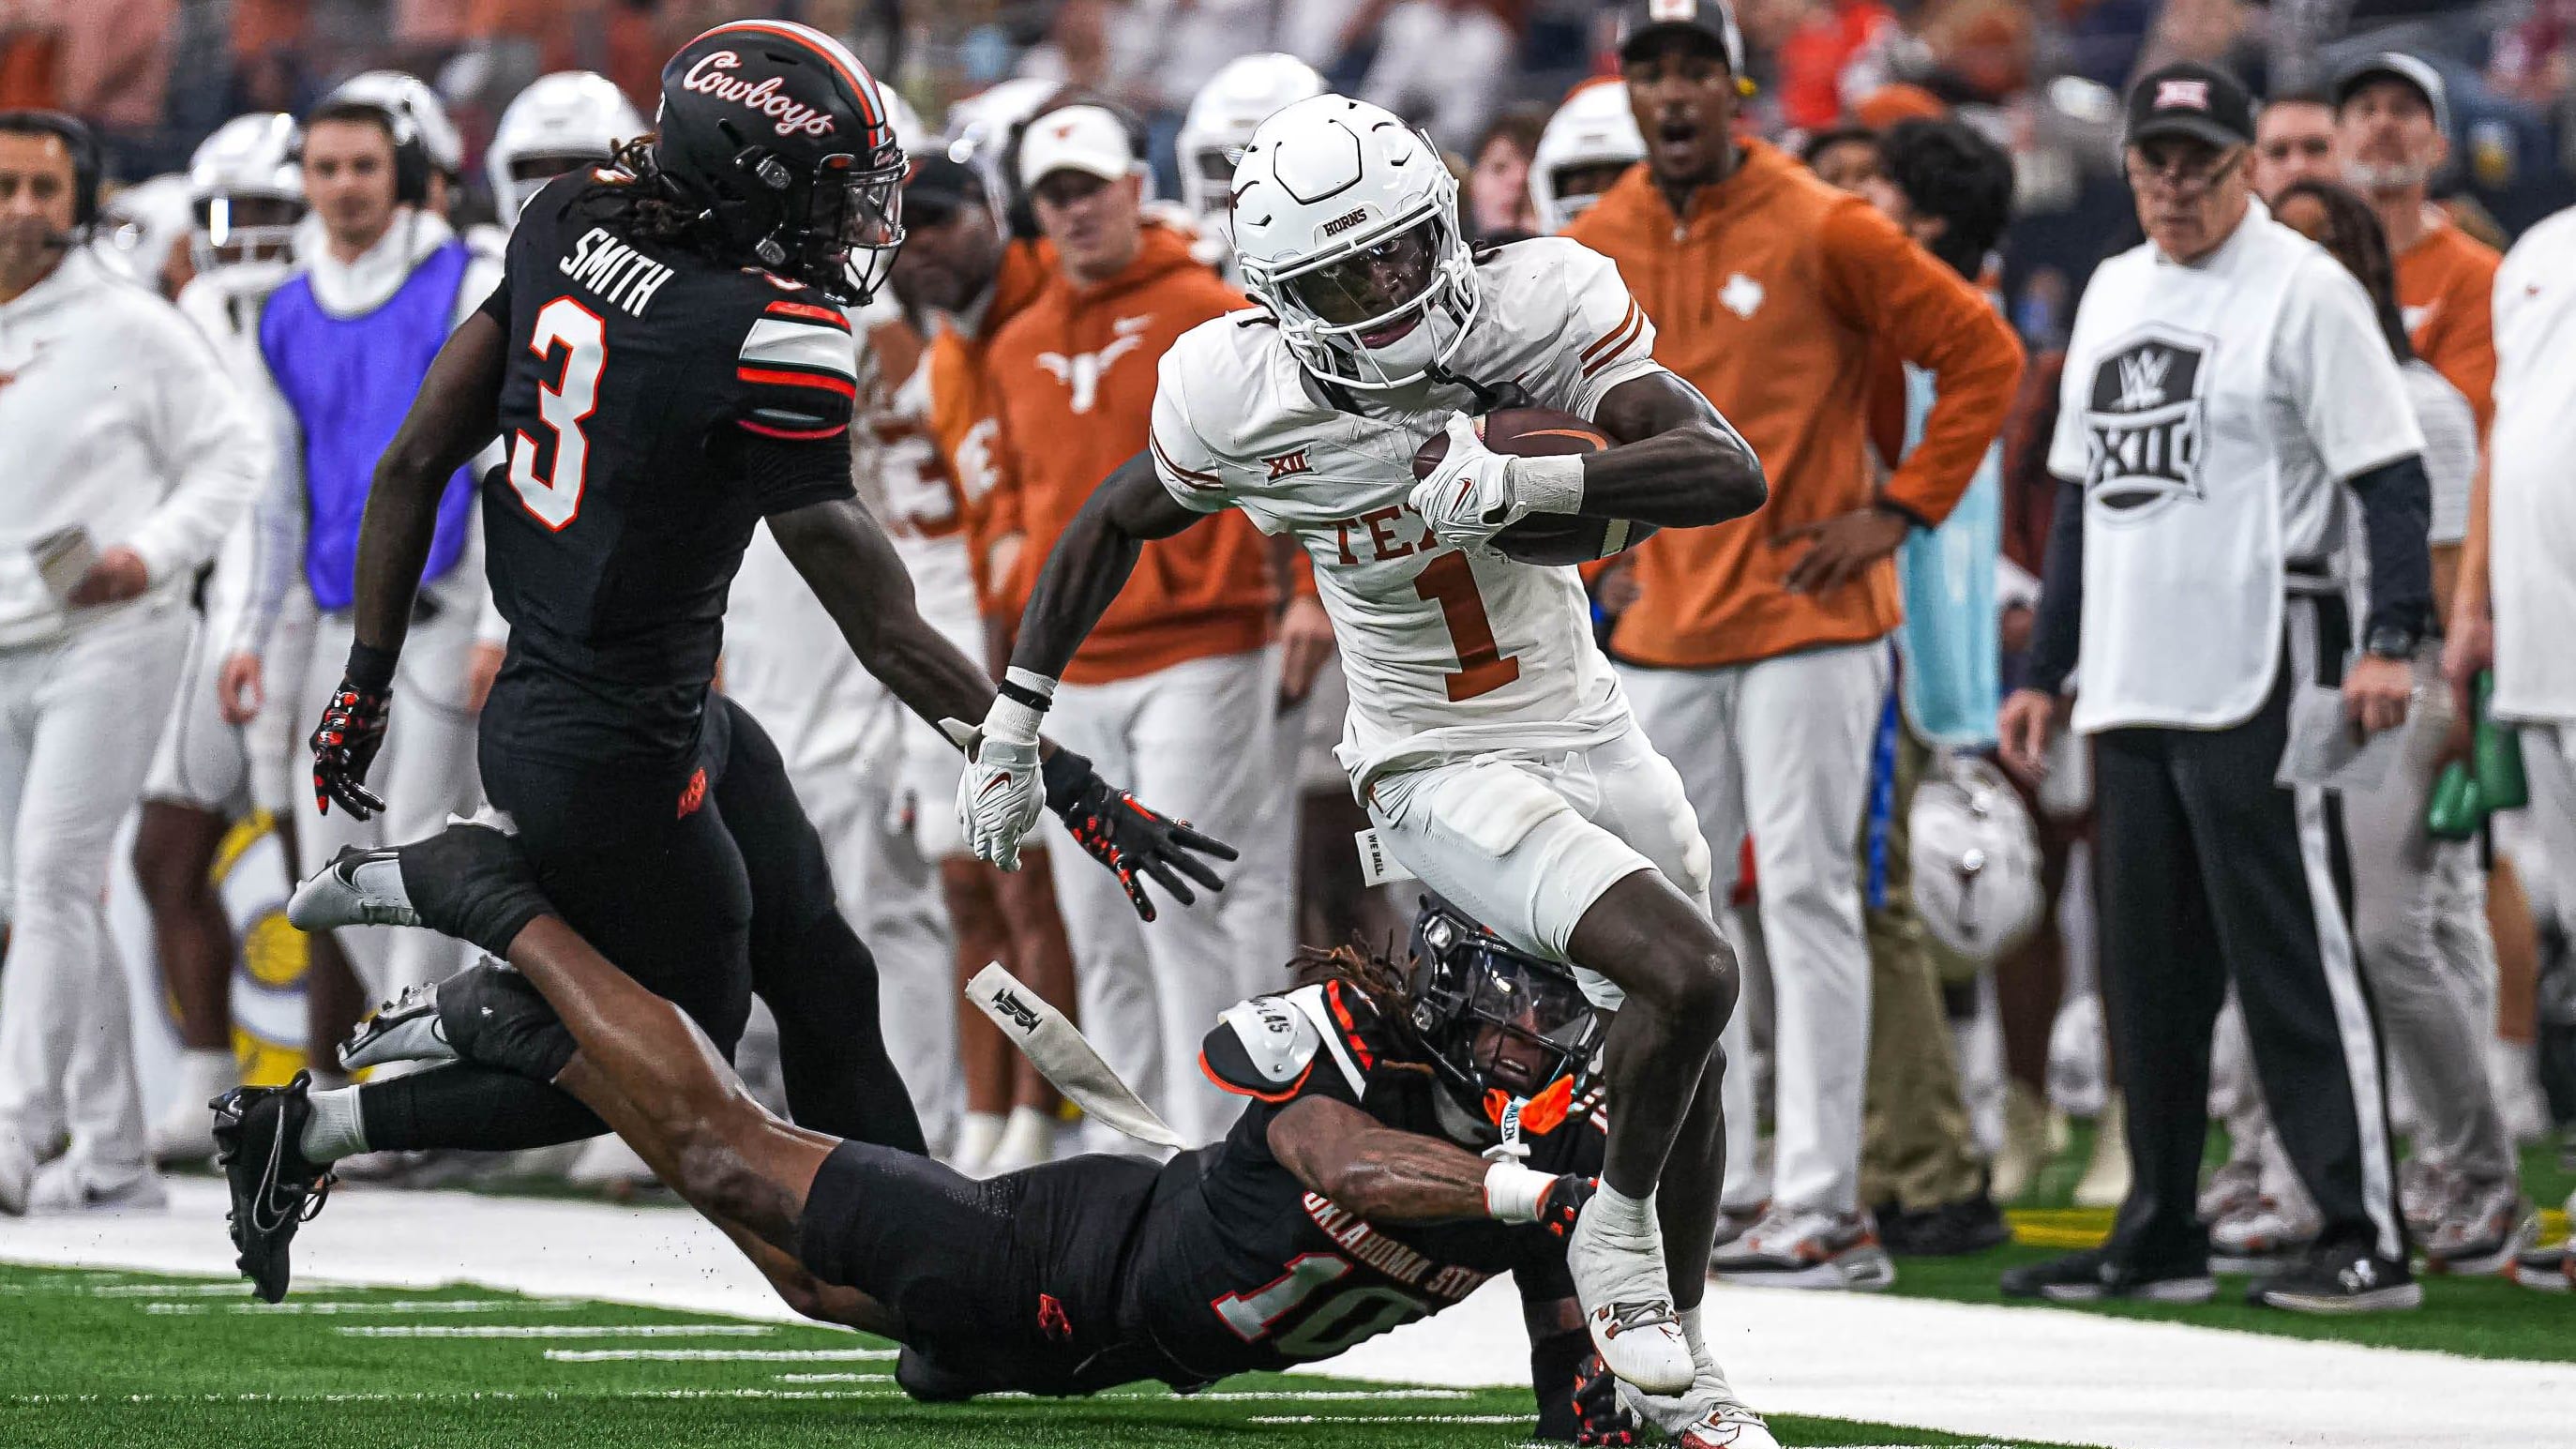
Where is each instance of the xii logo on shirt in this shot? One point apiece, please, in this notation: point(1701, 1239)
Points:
point(2144, 422)
point(1081, 373)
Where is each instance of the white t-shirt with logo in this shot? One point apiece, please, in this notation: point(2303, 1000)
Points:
point(2531, 479)
point(1449, 654)
point(2211, 411)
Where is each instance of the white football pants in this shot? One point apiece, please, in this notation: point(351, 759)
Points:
point(78, 722)
point(1781, 747)
point(1193, 741)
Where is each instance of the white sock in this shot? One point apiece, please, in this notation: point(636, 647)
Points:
point(1623, 1216)
point(335, 1130)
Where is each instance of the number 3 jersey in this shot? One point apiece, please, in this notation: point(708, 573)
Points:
point(1239, 1266)
point(656, 405)
point(1450, 653)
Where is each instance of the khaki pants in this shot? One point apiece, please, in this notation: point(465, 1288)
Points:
point(1917, 1148)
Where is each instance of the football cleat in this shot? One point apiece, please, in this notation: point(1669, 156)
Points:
point(2340, 1280)
point(1708, 1416)
point(2096, 1274)
point(73, 1184)
point(405, 1029)
point(468, 881)
point(2485, 1229)
point(274, 1189)
point(1797, 1249)
point(1627, 1302)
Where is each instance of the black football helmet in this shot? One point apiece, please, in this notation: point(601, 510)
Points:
point(783, 139)
point(1503, 1026)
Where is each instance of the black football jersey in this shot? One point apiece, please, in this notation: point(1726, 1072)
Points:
point(1240, 1267)
point(657, 405)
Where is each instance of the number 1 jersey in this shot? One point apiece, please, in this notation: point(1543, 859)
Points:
point(656, 405)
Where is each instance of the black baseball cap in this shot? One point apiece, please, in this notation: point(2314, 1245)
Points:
point(2407, 70)
point(1711, 20)
point(941, 185)
point(2187, 98)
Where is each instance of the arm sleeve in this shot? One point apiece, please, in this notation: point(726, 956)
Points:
point(1189, 470)
point(2059, 632)
point(2395, 500)
point(1883, 285)
point(1605, 338)
point(2450, 451)
point(2339, 374)
point(277, 527)
point(213, 441)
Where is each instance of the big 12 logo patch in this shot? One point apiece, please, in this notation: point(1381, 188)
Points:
point(2145, 422)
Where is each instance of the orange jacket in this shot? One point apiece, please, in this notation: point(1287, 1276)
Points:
point(1074, 376)
point(964, 425)
point(2446, 286)
point(1768, 298)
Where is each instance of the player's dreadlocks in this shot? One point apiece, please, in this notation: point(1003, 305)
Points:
point(631, 192)
point(1380, 980)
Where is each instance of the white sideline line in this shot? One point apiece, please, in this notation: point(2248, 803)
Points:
point(1388, 1419)
point(834, 1378)
point(720, 1355)
point(389, 1305)
point(459, 1397)
point(565, 1330)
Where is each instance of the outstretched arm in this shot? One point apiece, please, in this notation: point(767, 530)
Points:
point(455, 416)
point(1678, 463)
point(854, 571)
point(1388, 1175)
point(1091, 562)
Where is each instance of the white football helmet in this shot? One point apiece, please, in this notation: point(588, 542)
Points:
point(561, 121)
point(1220, 123)
point(1594, 128)
point(1346, 228)
point(1976, 860)
point(139, 225)
point(979, 129)
point(245, 194)
point(410, 97)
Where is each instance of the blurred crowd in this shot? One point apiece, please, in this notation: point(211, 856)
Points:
point(1988, 130)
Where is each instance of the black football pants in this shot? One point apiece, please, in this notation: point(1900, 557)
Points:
point(705, 882)
point(2209, 874)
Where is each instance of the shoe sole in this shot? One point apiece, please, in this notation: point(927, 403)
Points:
point(2544, 1278)
point(2396, 1296)
point(2490, 1260)
point(1861, 1270)
point(2163, 1290)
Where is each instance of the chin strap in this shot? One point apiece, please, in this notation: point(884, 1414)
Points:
point(1489, 398)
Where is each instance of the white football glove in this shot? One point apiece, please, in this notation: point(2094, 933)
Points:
point(999, 794)
point(1469, 498)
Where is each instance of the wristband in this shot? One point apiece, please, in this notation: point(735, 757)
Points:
point(1548, 485)
point(370, 669)
point(1027, 688)
point(1064, 773)
point(1513, 1192)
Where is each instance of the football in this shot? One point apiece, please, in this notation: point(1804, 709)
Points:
point(1542, 538)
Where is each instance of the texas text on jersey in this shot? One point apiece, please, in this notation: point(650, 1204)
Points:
point(657, 406)
point(1244, 1268)
point(1449, 652)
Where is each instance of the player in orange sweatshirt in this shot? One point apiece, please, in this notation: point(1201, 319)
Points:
point(1173, 683)
point(1753, 654)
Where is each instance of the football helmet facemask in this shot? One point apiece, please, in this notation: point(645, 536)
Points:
point(1503, 1025)
point(245, 194)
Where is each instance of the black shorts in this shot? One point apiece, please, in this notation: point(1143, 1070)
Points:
point(1013, 1283)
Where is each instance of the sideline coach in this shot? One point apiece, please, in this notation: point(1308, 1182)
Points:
point(2226, 385)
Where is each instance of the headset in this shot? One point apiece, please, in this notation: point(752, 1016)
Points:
point(89, 160)
point(1017, 210)
point(412, 166)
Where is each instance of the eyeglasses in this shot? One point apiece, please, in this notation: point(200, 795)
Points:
point(2183, 177)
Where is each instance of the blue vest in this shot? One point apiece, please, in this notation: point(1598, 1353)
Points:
point(349, 381)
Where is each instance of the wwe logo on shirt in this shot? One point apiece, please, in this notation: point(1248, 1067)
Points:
point(2144, 423)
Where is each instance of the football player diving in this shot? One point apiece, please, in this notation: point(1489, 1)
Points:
point(1407, 1134)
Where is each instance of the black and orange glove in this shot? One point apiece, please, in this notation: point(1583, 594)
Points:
point(1132, 840)
point(1599, 1418)
point(1563, 1202)
point(351, 732)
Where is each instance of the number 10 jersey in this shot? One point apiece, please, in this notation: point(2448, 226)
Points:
point(1449, 653)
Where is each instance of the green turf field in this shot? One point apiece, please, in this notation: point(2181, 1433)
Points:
point(105, 1360)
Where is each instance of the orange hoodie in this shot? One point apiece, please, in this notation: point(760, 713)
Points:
point(2446, 287)
point(1767, 297)
point(964, 422)
point(1074, 376)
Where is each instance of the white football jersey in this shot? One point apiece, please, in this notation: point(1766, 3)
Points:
point(1449, 654)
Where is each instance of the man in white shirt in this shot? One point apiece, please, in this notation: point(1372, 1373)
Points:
point(130, 455)
point(2227, 387)
point(344, 343)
